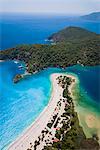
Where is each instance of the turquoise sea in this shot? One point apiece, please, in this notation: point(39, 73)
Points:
point(21, 103)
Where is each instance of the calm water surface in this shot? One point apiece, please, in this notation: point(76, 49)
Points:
point(29, 97)
point(19, 29)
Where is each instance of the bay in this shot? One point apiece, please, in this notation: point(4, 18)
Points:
point(21, 103)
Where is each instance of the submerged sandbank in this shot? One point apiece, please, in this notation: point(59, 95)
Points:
point(34, 131)
point(89, 117)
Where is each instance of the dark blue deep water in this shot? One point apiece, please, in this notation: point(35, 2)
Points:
point(90, 80)
point(28, 29)
point(29, 97)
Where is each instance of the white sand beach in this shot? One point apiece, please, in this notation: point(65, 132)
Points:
point(34, 131)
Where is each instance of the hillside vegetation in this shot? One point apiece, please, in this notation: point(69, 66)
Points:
point(71, 46)
point(74, 34)
point(83, 48)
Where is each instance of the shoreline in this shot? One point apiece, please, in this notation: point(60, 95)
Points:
point(88, 117)
point(34, 130)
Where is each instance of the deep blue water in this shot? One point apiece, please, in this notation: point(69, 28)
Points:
point(29, 97)
point(90, 79)
point(19, 29)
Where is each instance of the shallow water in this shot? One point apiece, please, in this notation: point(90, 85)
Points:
point(21, 103)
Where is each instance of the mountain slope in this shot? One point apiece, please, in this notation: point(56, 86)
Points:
point(83, 49)
point(93, 16)
point(72, 33)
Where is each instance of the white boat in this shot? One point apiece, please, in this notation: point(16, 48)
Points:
point(20, 66)
point(16, 62)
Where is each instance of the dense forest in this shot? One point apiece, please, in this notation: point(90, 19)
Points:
point(73, 34)
point(70, 46)
point(75, 45)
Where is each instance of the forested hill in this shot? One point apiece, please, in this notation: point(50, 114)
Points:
point(93, 16)
point(83, 48)
point(73, 34)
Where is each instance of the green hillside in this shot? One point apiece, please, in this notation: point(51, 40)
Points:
point(74, 45)
point(72, 34)
point(81, 49)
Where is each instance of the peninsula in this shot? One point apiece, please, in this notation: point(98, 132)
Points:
point(72, 45)
point(58, 126)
